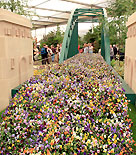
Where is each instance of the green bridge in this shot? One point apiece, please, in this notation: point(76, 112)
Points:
point(70, 42)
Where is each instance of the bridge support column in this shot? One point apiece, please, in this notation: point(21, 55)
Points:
point(105, 41)
point(105, 45)
point(73, 49)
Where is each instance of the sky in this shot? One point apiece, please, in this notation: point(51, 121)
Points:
point(82, 30)
point(60, 5)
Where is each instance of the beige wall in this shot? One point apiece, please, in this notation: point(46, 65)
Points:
point(15, 53)
point(130, 53)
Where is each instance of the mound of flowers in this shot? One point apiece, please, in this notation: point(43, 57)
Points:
point(74, 108)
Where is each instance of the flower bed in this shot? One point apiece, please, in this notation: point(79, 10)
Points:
point(74, 108)
point(118, 66)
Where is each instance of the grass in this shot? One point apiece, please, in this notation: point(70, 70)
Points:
point(132, 115)
point(118, 66)
point(1, 114)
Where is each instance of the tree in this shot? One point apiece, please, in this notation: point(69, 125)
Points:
point(118, 13)
point(53, 38)
point(59, 35)
point(94, 37)
point(80, 41)
point(16, 6)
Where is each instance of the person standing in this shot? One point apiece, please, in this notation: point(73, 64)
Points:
point(78, 48)
point(36, 53)
point(86, 49)
point(44, 54)
point(38, 46)
point(115, 50)
point(57, 53)
point(111, 52)
point(53, 52)
point(49, 53)
point(60, 50)
point(90, 48)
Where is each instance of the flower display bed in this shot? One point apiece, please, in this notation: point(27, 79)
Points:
point(74, 108)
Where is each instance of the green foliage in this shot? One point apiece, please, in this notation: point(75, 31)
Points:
point(119, 11)
point(121, 8)
point(132, 115)
point(118, 66)
point(94, 37)
point(54, 37)
point(80, 41)
point(96, 46)
point(1, 115)
point(113, 62)
point(16, 6)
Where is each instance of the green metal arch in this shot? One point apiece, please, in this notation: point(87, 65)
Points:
point(70, 41)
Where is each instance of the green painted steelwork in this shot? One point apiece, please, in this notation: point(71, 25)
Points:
point(96, 12)
point(102, 43)
point(70, 44)
point(88, 15)
point(105, 42)
point(88, 20)
point(82, 14)
point(105, 45)
point(90, 10)
point(130, 94)
point(74, 41)
point(70, 41)
point(15, 90)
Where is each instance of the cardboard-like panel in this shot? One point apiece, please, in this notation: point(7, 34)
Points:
point(15, 53)
point(130, 53)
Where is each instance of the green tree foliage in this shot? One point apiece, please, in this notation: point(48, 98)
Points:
point(119, 11)
point(58, 36)
point(94, 37)
point(53, 38)
point(16, 6)
point(80, 41)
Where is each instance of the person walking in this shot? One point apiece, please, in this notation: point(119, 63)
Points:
point(44, 54)
point(111, 52)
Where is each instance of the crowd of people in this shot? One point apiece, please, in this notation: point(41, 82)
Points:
point(87, 48)
point(51, 54)
point(115, 53)
point(48, 54)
